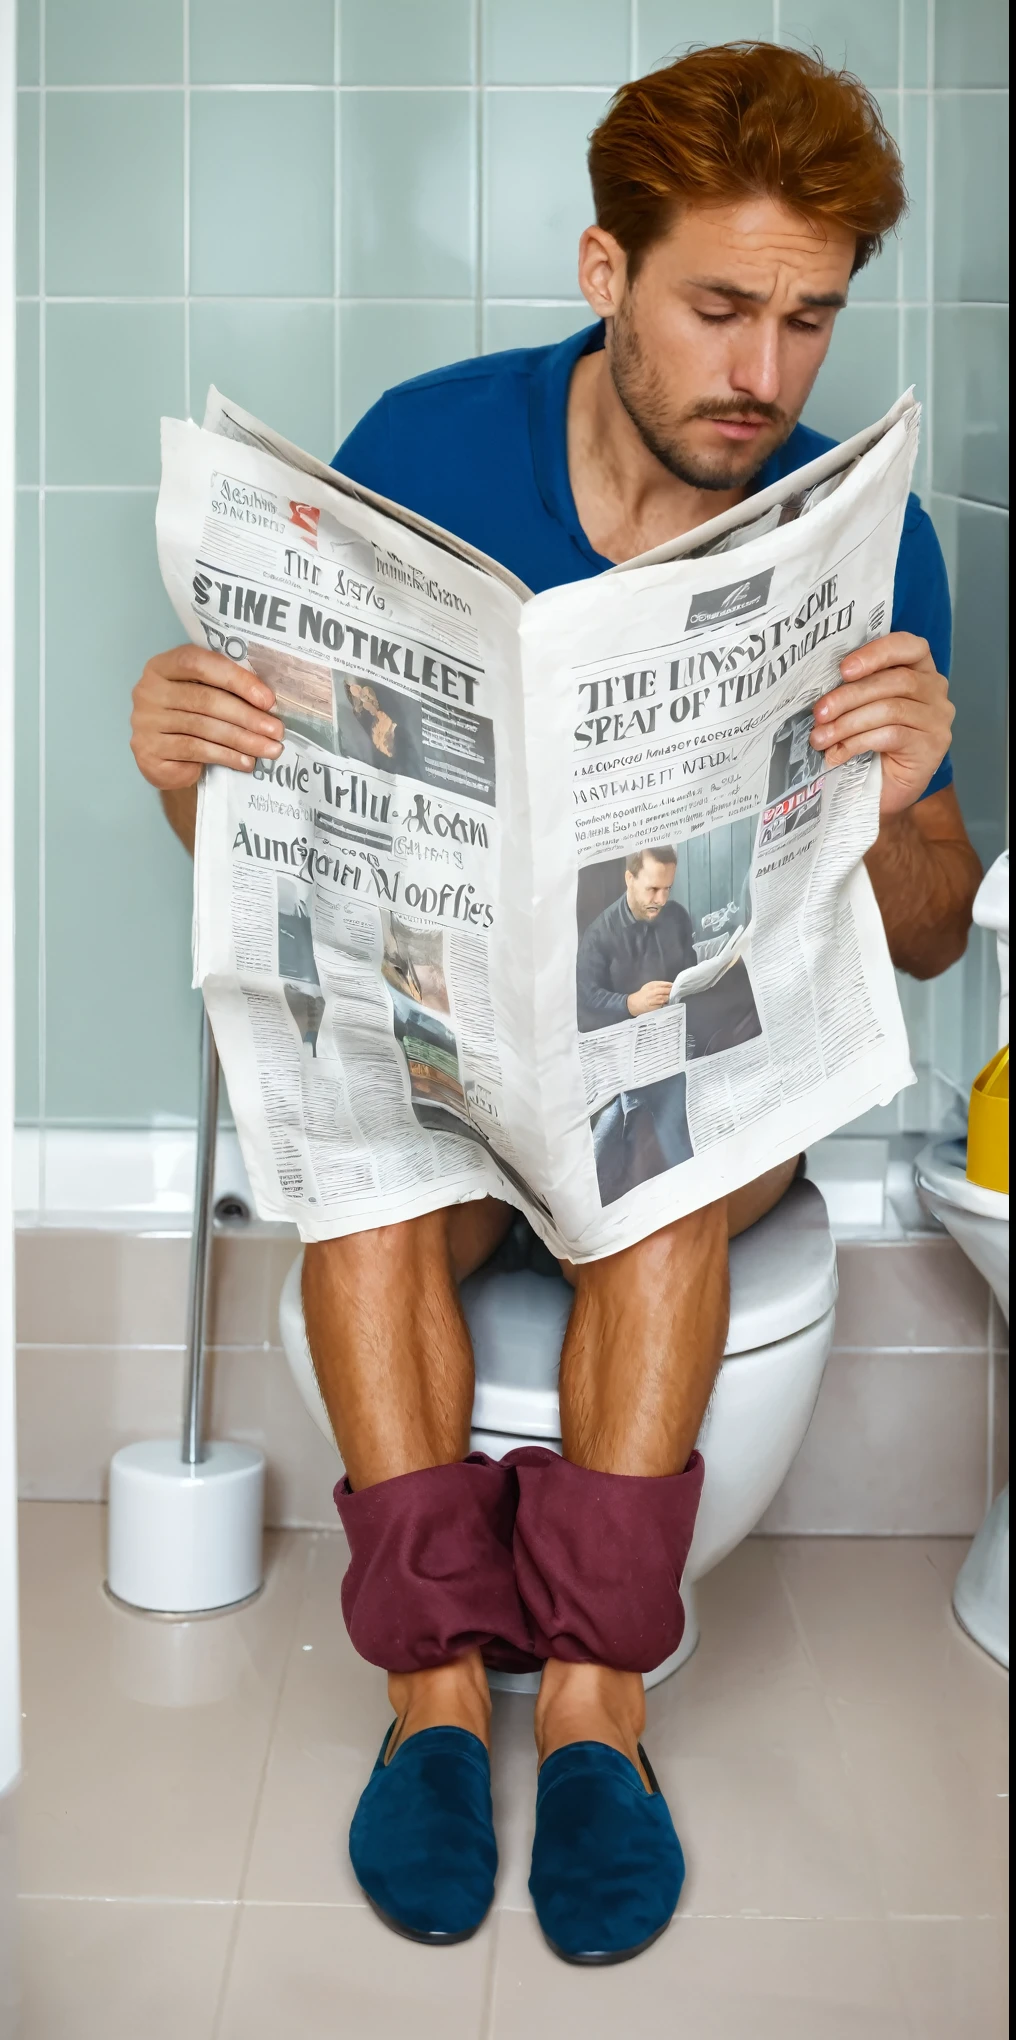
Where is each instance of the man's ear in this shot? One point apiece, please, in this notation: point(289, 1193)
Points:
point(603, 271)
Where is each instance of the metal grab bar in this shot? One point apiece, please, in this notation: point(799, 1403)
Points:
point(192, 1449)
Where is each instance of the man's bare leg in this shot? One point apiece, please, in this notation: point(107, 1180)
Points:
point(640, 1356)
point(394, 1363)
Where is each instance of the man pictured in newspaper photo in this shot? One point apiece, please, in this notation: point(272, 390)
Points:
point(630, 955)
point(736, 194)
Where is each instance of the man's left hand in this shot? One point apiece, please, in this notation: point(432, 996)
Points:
point(892, 701)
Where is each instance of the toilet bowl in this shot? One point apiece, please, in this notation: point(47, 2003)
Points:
point(978, 1220)
point(782, 1311)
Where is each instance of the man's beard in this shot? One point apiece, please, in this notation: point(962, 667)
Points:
point(642, 393)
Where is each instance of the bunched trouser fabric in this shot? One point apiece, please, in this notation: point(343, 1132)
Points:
point(431, 1571)
point(524, 1558)
point(599, 1558)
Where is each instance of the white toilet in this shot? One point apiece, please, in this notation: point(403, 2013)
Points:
point(978, 1220)
point(782, 1310)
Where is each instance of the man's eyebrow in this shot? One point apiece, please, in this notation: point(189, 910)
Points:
point(814, 301)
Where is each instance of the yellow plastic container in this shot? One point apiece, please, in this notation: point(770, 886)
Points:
point(988, 1126)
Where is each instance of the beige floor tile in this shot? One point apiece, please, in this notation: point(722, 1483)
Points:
point(876, 1619)
point(316, 1972)
point(145, 1741)
point(920, 1716)
point(711, 1979)
point(953, 1975)
point(333, 1714)
point(95, 1969)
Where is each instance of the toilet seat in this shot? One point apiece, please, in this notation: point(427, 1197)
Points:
point(782, 1280)
point(941, 1169)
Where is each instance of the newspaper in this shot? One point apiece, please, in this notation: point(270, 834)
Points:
point(547, 897)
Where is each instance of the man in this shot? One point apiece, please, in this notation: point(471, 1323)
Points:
point(736, 194)
point(630, 955)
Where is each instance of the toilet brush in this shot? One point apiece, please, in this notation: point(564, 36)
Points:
point(185, 1514)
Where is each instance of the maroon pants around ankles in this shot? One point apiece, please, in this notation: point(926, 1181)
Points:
point(524, 1558)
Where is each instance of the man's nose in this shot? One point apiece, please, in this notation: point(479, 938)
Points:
point(755, 371)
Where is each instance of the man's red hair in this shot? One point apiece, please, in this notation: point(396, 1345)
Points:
point(738, 121)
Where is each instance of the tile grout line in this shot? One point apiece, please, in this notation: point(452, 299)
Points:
point(186, 210)
point(488, 2011)
point(42, 903)
point(479, 183)
point(299, 1602)
point(338, 421)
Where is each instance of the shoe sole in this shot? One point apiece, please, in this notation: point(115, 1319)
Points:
point(604, 1961)
point(425, 1940)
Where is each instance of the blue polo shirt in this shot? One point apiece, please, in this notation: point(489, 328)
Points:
point(482, 449)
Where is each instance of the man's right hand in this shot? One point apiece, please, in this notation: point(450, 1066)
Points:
point(194, 708)
point(649, 998)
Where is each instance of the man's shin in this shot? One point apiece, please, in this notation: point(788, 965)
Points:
point(599, 1558)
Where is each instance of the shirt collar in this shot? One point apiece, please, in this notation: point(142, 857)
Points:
point(548, 432)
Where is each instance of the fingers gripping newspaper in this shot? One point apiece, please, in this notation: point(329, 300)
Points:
point(547, 897)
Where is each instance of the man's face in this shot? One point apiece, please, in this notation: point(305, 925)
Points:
point(715, 347)
point(648, 888)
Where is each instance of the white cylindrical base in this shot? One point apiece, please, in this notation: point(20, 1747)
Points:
point(185, 1539)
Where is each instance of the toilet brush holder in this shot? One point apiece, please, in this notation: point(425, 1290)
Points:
point(185, 1515)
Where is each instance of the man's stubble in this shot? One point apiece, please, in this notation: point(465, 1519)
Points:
point(640, 389)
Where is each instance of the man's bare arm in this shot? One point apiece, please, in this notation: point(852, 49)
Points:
point(925, 872)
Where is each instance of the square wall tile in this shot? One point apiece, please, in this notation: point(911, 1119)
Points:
point(971, 230)
point(912, 136)
point(879, 281)
point(664, 28)
point(859, 378)
point(916, 370)
point(112, 371)
point(531, 325)
point(27, 176)
point(971, 42)
point(120, 1014)
point(114, 42)
point(573, 42)
point(260, 42)
point(910, 1294)
point(858, 35)
point(975, 542)
point(384, 344)
point(896, 1448)
point(27, 890)
point(537, 190)
point(28, 42)
point(971, 402)
point(114, 194)
point(26, 386)
point(915, 42)
point(262, 186)
point(275, 358)
point(77, 1405)
point(398, 42)
point(408, 187)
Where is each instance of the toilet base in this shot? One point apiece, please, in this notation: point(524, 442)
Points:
point(529, 1682)
point(981, 1593)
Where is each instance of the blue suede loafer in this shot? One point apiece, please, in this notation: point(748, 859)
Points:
point(607, 1865)
point(422, 1840)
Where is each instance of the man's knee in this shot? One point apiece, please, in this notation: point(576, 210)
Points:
point(380, 1249)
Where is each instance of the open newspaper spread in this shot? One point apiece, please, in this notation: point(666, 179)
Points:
point(431, 973)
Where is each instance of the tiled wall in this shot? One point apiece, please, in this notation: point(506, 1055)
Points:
point(909, 1437)
point(307, 200)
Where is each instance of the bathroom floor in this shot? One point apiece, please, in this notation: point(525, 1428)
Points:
point(834, 1755)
